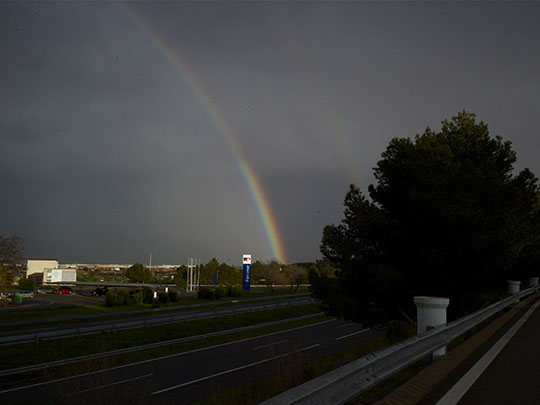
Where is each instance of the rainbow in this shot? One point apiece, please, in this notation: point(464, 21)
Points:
point(253, 183)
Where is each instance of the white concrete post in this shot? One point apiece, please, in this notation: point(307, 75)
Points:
point(513, 286)
point(533, 282)
point(166, 289)
point(431, 312)
point(155, 294)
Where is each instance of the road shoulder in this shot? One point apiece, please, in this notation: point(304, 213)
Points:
point(428, 386)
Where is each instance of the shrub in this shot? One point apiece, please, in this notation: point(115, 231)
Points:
point(205, 293)
point(148, 295)
point(163, 297)
point(27, 284)
point(155, 303)
point(123, 297)
point(234, 291)
point(220, 292)
point(173, 296)
point(137, 298)
point(112, 299)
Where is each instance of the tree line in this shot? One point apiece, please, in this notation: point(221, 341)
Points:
point(270, 273)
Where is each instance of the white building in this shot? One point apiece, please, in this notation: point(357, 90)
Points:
point(40, 265)
point(59, 275)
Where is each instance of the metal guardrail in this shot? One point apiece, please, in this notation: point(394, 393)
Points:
point(139, 323)
point(346, 382)
point(96, 356)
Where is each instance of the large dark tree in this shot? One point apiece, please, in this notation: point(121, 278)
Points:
point(446, 217)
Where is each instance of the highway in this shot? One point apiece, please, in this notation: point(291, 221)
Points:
point(190, 376)
point(68, 329)
point(44, 301)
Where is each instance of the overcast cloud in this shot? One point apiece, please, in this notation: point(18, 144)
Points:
point(108, 154)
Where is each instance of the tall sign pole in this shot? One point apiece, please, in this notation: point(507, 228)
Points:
point(246, 273)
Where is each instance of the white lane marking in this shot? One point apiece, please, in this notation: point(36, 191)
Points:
point(352, 334)
point(166, 357)
point(462, 386)
point(110, 385)
point(270, 344)
point(232, 370)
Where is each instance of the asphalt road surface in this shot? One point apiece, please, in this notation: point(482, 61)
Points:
point(44, 301)
point(191, 376)
point(65, 329)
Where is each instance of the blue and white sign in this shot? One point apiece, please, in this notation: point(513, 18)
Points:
point(246, 273)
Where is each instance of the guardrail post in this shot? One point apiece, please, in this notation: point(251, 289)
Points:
point(430, 313)
point(533, 282)
point(513, 286)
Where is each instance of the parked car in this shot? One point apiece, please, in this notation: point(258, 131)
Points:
point(26, 293)
point(100, 292)
point(64, 290)
point(45, 290)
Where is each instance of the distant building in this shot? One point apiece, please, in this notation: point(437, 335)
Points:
point(40, 265)
point(59, 275)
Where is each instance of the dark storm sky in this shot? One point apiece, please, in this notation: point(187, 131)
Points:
point(108, 153)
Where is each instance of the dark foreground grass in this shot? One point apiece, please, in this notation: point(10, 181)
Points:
point(14, 356)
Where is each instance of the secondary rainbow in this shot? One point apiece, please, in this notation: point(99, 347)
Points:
point(253, 183)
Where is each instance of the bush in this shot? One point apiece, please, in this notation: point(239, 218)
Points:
point(220, 292)
point(234, 291)
point(205, 293)
point(173, 296)
point(148, 295)
point(163, 297)
point(123, 297)
point(27, 284)
point(112, 299)
point(137, 298)
point(155, 303)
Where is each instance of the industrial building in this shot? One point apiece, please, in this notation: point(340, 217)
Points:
point(47, 271)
